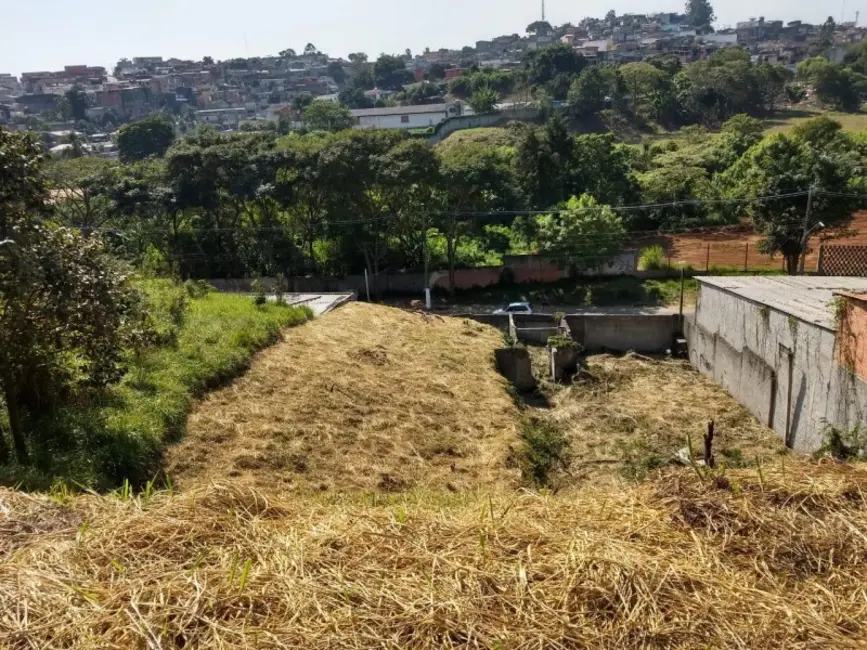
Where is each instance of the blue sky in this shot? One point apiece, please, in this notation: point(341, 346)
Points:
point(47, 34)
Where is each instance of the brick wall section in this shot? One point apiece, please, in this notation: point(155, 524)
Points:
point(852, 333)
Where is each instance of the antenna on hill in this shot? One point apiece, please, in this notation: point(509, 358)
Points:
point(543, 11)
point(857, 14)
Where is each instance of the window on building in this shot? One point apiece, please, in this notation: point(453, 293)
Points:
point(404, 119)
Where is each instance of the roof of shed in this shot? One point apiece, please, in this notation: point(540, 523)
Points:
point(807, 298)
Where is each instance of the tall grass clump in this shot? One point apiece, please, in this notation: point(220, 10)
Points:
point(652, 259)
point(193, 344)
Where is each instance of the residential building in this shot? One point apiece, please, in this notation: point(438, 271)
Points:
point(229, 117)
point(404, 117)
point(787, 349)
point(9, 85)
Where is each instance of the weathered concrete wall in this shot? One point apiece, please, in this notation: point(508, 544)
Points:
point(500, 321)
point(536, 335)
point(743, 374)
point(770, 361)
point(651, 333)
point(514, 365)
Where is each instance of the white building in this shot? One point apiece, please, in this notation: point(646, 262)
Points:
point(772, 343)
point(404, 117)
point(224, 116)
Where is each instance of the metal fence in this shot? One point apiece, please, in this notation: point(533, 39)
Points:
point(843, 260)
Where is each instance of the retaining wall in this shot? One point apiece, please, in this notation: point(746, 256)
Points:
point(782, 369)
point(648, 333)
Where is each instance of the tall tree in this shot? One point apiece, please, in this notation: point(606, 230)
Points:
point(151, 136)
point(390, 72)
point(539, 28)
point(700, 14)
point(327, 116)
point(77, 99)
point(585, 235)
point(785, 164)
point(64, 305)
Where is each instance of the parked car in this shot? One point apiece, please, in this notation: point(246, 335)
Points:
point(516, 308)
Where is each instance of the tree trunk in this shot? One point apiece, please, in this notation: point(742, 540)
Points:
point(4, 449)
point(792, 262)
point(15, 423)
point(451, 246)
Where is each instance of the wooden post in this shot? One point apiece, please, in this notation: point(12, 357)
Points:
point(708, 445)
point(747, 257)
point(707, 260)
point(681, 296)
point(820, 265)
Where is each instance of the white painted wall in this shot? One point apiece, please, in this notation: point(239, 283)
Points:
point(415, 121)
point(730, 338)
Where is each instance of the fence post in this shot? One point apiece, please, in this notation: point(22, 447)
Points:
point(747, 257)
point(820, 265)
point(707, 260)
point(669, 255)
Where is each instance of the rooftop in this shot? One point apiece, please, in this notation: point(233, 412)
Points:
point(807, 298)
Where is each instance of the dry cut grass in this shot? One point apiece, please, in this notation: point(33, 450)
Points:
point(367, 397)
point(751, 560)
point(626, 416)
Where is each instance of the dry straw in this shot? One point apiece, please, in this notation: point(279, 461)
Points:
point(745, 561)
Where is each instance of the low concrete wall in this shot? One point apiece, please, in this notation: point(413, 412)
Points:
point(514, 365)
point(500, 321)
point(535, 335)
point(649, 333)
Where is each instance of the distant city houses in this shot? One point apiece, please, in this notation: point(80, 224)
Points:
point(261, 91)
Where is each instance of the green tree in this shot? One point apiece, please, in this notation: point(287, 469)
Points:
point(587, 94)
point(642, 80)
point(354, 97)
point(64, 305)
point(82, 191)
point(700, 15)
point(335, 71)
point(835, 85)
point(151, 136)
point(474, 178)
point(390, 72)
point(783, 165)
point(539, 27)
point(484, 100)
point(436, 72)
point(327, 116)
point(585, 235)
point(77, 101)
point(556, 64)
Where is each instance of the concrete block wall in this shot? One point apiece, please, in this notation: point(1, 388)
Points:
point(648, 333)
point(782, 369)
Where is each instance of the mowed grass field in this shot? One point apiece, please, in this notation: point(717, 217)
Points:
point(787, 120)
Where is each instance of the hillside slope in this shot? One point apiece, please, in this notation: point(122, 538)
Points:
point(367, 397)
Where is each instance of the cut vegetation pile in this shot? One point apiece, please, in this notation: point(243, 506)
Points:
point(750, 560)
point(366, 398)
point(630, 415)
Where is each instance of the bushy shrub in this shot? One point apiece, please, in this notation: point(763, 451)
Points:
point(563, 342)
point(197, 288)
point(545, 450)
point(845, 444)
point(258, 289)
point(652, 259)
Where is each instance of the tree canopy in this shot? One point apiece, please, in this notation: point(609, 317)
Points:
point(151, 136)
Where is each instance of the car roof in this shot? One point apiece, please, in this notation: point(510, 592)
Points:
point(519, 304)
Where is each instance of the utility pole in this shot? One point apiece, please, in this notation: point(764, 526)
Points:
point(806, 231)
point(543, 11)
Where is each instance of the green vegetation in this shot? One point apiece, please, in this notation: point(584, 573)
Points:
point(652, 259)
point(621, 290)
point(844, 444)
point(545, 452)
point(120, 434)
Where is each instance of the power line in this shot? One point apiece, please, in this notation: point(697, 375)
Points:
point(494, 214)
